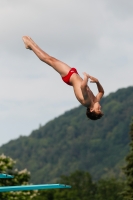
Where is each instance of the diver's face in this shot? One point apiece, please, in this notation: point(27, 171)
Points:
point(96, 108)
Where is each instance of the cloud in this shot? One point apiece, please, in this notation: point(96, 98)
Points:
point(120, 8)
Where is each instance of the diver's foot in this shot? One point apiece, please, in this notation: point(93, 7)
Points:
point(26, 40)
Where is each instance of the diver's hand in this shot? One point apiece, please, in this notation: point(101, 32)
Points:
point(92, 79)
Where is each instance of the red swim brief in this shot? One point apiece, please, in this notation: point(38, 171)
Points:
point(68, 76)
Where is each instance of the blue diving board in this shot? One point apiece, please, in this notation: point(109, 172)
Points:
point(33, 187)
point(6, 176)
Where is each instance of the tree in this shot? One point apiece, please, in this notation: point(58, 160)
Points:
point(82, 188)
point(128, 169)
point(109, 189)
point(20, 178)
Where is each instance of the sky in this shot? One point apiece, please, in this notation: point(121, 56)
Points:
point(94, 36)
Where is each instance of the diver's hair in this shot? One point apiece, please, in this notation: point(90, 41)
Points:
point(93, 115)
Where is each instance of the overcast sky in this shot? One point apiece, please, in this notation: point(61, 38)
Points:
point(95, 36)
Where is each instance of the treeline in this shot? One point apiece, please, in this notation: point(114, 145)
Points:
point(83, 188)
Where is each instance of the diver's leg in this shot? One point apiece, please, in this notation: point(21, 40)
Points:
point(59, 66)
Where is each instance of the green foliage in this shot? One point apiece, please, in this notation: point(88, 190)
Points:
point(20, 178)
point(83, 188)
point(109, 189)
point(128, 170)
point(72, 142)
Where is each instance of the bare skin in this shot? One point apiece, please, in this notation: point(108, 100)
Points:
point(82, 91)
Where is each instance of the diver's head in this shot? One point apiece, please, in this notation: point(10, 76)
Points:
point(94, 112)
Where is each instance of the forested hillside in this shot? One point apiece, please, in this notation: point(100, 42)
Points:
point(72, 142)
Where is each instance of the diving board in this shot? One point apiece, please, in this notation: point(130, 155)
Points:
point(6, 176)
point(33, 187)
